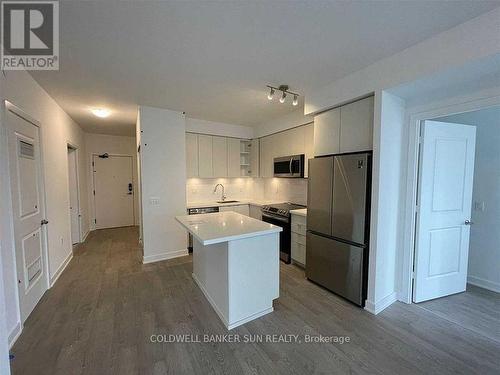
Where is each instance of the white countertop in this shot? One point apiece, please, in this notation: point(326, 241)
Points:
point(219, 227)
point(301, 212)
point(253, 202)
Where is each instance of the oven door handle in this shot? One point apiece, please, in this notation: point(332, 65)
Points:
point(290, 166)
point(273, 217)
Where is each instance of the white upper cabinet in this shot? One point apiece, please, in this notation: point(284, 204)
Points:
point(356, 132)
point(205, 166)
point(219, 156)
point(308, 146)
point(191, 155)
point(327, 132)
point(233, 157)
point(254, 158)
point(266, 156)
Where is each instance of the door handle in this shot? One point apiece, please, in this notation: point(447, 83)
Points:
point(468, 222)
point(290, 166)
point(44, 222)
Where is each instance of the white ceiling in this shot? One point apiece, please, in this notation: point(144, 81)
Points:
point(212, 59)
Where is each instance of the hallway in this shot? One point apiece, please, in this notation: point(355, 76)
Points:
point(100, 315)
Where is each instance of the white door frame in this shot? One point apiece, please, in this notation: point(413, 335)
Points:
point(409, 230)
point(45, 248)
point(76, 150)
point(93, 183)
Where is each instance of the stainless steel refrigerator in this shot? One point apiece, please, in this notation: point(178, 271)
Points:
point(338, 208)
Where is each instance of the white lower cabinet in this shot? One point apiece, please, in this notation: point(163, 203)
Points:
point(298, 239)
point(241, 209)
point(255, 212)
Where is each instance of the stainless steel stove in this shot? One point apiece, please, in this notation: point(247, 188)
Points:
point(279, 214)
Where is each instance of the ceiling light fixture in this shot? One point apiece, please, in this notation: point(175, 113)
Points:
point(283, 97)
point(101, 112)
point(271, 94)
point(284, 92)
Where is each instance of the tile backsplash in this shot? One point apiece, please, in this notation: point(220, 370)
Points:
point(275, 189)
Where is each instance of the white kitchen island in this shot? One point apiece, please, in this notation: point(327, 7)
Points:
point(235, 264)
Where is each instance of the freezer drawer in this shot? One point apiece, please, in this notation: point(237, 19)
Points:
point(337, 266)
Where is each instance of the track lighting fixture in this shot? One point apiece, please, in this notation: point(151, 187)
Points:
point(283, 97)
point(284, 93)
point(271, 94)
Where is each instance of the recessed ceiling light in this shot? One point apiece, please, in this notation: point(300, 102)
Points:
point(101, 112)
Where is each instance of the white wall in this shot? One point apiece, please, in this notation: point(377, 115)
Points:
point(112, 144)
point(163, 177)
point(387, 188)
point(4, 336)
point(57, 129)
point(290, 120)
point(218, 128)
point(473, 40)
point(484, 249)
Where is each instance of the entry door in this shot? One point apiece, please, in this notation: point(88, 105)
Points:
point(114, 196)
point(444, 212)
point(74, 205)
point(28, 210)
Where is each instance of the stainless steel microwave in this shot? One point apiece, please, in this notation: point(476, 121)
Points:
point(289, 166)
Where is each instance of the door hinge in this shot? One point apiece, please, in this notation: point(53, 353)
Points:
point(93, 164)
point(94, 192)
point(95, 221)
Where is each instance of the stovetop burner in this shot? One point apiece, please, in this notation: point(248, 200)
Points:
point(282, 209)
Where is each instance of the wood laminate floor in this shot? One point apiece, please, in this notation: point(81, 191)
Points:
point(101, 313)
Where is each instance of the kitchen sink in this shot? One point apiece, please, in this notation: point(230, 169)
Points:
point(227, 201)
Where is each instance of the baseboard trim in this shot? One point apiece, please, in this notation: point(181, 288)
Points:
point(164, 256)
point(483, 283)
point(85, 236)
point(61, 268)
point(377, 307)
point(14, 334)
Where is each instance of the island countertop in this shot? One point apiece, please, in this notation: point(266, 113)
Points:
point(219, 227)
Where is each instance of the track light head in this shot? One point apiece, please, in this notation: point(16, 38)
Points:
point(295, 100)
point(271, 94)
point(283, 97)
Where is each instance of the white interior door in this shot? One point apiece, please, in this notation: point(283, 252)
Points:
point(74, 205)
point(28, 211)
point(113, 189)
point(444, 209)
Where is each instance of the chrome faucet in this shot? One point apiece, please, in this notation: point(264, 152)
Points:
point(223, 197)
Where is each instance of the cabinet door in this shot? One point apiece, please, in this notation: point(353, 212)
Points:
point(308, 146)
point(191, 155)
point(356, 128)
point(254, 158)
point(243, 209)
point(205, 167)
point(233, 157)
point(297, 141)
point(266, 157)
point(219, 156)
point(327, 133)
point(255, 212)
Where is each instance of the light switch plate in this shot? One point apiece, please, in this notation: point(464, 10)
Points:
point(154, 201)
point(479, 205)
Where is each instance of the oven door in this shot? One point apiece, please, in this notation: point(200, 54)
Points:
point(285, 246)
